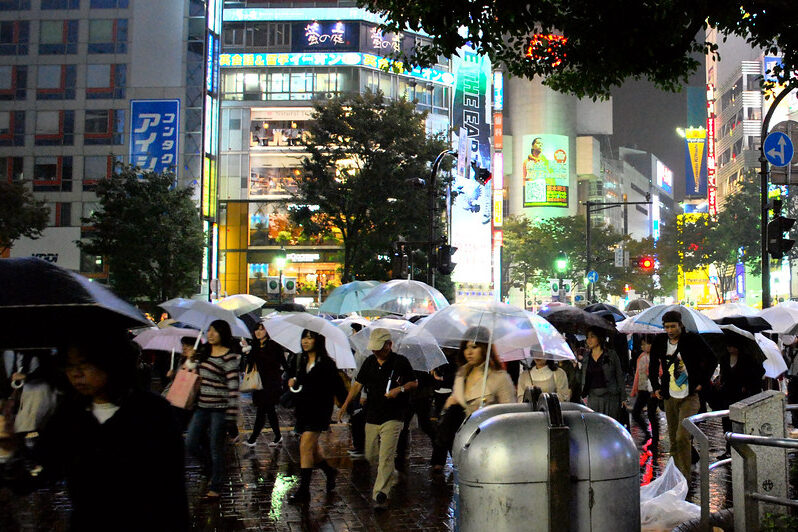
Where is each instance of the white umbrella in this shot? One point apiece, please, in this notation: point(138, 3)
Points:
point(345, 324)
point(782, 317)
point(730, 309)
point(201, 314)
point(241, 303)
point(401, 296)
point(422, 351)
point(287, 331)
point(774, 365)
point(650, 320)
point(167, 339)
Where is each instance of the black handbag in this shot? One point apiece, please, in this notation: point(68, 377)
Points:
point(448, 424)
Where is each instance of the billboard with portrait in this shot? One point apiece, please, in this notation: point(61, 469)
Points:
point(544, 170)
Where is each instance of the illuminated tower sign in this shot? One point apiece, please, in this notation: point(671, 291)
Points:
point(712, 179)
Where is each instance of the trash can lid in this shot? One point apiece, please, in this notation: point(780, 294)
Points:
point(601, 449)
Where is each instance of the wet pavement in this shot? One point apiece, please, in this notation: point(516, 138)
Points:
point(259, 480)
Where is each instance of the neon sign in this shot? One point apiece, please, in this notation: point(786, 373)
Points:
point(374, 62)
point(315, 37)
point(712, 178)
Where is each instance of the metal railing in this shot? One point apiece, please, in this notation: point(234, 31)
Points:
point(690, 424)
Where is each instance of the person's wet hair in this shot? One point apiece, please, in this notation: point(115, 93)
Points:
point(672, 316)
point(320, 347)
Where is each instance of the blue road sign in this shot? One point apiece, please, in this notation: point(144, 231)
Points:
point(778, 149)
point(592, 276)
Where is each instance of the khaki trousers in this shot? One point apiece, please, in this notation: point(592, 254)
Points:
point(381, 442)
point(675, 411)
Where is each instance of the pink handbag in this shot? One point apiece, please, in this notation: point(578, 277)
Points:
point(184, 390)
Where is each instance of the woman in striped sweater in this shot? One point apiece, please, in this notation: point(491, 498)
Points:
point(217, 402)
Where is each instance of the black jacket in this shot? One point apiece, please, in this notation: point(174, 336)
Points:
point(613, 373)
point(124, 474)
point(320, 386)
point(698, 358)
point(270, 363)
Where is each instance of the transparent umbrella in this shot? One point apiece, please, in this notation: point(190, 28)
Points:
point(650, 321)
point(783, 318)
point(201, 314)
point(348, 298)
point(727, 310)
point(166, 339)
point(421, 350)
point(402, 296)
point(241, 303)
point(287, 329)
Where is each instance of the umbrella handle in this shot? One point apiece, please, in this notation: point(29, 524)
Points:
point(297, 390)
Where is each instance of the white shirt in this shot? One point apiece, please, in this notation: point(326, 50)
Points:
point(676, 391)
point(103, 411)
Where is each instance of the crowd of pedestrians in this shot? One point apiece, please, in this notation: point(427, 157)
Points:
point(106, 427)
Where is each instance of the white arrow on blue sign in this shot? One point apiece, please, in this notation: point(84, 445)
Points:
point(778, 149)
point(592, 276)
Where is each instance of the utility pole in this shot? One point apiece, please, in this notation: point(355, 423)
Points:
point(763, 182)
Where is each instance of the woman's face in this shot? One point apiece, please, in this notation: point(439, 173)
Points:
point(308, 343)
point(188, 351)
point(732, 350)
point(260, 332)
point(592, 340)
point(213, 336)
point(646, 347)
point(474, 353)
point(539, 363)
point(86, 378)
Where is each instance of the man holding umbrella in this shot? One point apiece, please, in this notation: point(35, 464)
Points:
point(687, 365)
point(387, 377)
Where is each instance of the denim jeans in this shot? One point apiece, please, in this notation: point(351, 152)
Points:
point(208, 425)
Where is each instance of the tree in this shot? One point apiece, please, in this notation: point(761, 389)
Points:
point(586, 48)
point(21, 215)
point(150, 233)
point(531, 247)
point(364, 150)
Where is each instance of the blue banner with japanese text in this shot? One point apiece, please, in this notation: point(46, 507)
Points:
point(154, 130)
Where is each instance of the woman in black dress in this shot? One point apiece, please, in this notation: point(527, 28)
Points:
point(268, 358)
point(316, 382)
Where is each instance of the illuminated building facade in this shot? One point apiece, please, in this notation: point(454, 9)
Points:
point(275, 64)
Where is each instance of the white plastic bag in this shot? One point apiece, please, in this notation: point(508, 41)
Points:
point(662, 502)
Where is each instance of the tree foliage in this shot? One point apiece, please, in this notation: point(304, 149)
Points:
point(604, 43)
point(364, 150)
point(150, 233)
point(21, 215)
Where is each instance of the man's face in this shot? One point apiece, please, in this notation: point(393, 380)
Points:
point(673, 328)
point(537, 146)
point(382, 353)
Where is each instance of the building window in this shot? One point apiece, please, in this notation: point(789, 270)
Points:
point(12, 128)
point(14, 36)
point(55, 128)
point(104, 127)
point(52, 174)
point(13, 82)
point(62, 212)
point(11, 169)
point(108, 36)
point(60, 4)
point(109, 4)
point(278, 34)
point(106, 81)
point(56, 82)
point(95, 169)
point(288, 84)
point(58, 37)
point(14, 5)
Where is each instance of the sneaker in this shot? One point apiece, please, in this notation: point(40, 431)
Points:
point(249, 443)
point(380, 501)
point(276, 443)
point(355, 454)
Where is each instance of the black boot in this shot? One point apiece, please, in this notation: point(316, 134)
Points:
point(331, 473)
point(302, 494)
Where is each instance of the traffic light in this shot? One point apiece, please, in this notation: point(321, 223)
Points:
point(445, 264)
point(646, 263)
point(777, 244)
point(561, 262)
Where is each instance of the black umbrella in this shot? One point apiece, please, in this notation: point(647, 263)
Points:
point(42, 305)
point(568, 319)
point(752, 324)
point(290, 307)
point(638, 305)
point(617, 313)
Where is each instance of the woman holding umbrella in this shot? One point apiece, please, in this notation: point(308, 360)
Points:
point(602, 376)
point(472, 390)
point(268, 358)
point(316, 382)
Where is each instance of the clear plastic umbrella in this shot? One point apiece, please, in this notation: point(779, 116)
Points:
point(345, 324)
point(241, 303)
point(348, 298)
point(774, 363)
point(727, 310)
point(287, 329)
point(402, 296)
point(421, 350)
point(201, 314)
point(166, 339)
point(782, 317)
point(650, 320)
point(517, 334)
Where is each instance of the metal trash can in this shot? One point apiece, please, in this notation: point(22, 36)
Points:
point(547, 470)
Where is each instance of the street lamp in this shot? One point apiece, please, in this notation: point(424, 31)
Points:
point(561, 265)
point(279, 262)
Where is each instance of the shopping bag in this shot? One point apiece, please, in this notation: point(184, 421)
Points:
point(184, 390)
point(251, 381)
point(36, 402)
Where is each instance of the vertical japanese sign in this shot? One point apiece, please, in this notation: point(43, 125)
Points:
point(471, 209)
point(154, 130)
point(712, 179)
